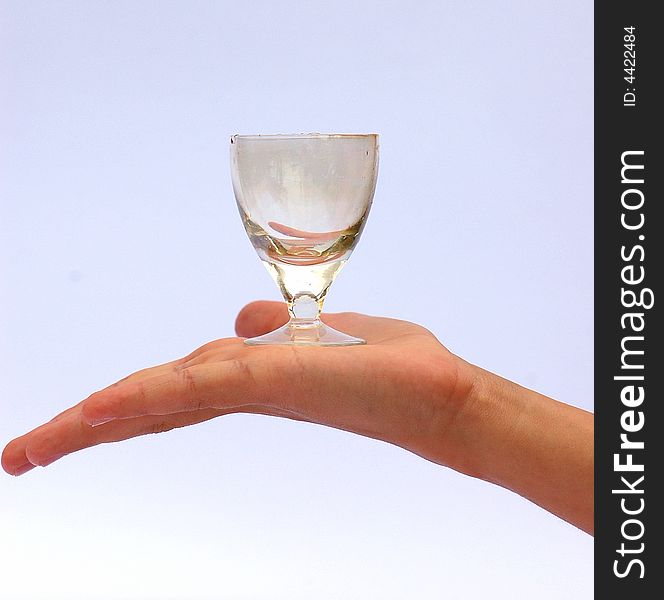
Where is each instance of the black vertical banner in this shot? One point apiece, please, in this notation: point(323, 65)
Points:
point(629, 363)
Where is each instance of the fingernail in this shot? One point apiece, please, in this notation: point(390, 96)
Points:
point(97, 422)
point(48, 461)
point(23, 469)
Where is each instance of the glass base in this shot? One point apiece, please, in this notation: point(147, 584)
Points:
point(309, 334)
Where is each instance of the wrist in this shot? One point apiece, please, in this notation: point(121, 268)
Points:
point(484, 420)
point(519, 439)
point(490, 425)
point(460, 408)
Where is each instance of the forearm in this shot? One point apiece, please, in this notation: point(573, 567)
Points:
point(535, 446)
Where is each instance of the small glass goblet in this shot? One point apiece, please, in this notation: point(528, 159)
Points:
point(304, 200)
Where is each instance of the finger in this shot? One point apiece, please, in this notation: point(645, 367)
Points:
point(58, 439)
point(14, 461)
point(138, 375)
point(52, 441)
point(227, 384)
point(260, 317)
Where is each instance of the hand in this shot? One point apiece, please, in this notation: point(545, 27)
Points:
point(403, 387)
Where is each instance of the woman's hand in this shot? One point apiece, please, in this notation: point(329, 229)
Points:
point(403, 387)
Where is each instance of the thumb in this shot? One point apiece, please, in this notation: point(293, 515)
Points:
point(260, 317)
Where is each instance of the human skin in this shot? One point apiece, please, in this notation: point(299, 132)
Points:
point(403, 387)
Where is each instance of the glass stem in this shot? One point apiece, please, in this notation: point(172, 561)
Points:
point(304, 310)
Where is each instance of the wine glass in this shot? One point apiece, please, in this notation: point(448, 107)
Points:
point(304, 200)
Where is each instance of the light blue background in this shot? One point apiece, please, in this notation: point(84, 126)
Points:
point(121, 247)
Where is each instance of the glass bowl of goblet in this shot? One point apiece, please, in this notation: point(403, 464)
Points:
point(304, 200)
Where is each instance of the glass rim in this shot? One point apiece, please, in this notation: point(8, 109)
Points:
point(298, 136)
